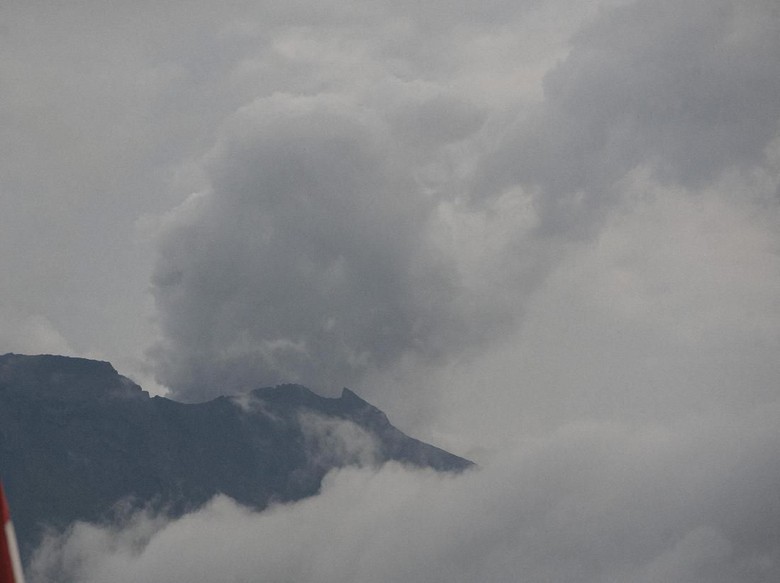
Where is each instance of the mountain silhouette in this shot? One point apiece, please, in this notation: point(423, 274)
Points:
point(78, 441)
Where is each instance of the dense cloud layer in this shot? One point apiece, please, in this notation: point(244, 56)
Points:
point(309, 260)
point(325, 246)
point(695, 502)
point(682, 90)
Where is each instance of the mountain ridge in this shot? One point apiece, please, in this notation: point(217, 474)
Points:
point(77, 438)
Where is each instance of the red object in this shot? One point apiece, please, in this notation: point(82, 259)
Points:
point(10, 564)
point(5, 514)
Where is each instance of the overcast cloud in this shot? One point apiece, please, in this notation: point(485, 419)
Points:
point(541, 234)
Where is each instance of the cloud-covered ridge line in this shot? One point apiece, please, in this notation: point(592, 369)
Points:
point(113, 444)
point(661, 507)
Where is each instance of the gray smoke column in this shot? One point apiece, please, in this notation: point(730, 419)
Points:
point(308, 259)
point(319, 251)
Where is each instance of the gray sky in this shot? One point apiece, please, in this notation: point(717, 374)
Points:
point(543, 234)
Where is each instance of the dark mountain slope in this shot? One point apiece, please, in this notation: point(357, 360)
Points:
point(77, 438)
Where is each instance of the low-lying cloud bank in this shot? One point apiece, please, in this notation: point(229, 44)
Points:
point(695, 501)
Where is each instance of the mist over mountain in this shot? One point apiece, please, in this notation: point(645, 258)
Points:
point(78, 441)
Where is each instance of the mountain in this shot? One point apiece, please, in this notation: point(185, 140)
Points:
point(78, 441)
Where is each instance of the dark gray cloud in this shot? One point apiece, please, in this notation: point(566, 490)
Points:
point(111, 110)
point(325, 243)
point(309, 258)
point(684, 90)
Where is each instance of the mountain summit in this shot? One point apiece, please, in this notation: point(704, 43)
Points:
point(78, 441)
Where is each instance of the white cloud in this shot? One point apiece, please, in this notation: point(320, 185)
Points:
point(32, 334)
point(332, 442)
point(690, 501)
